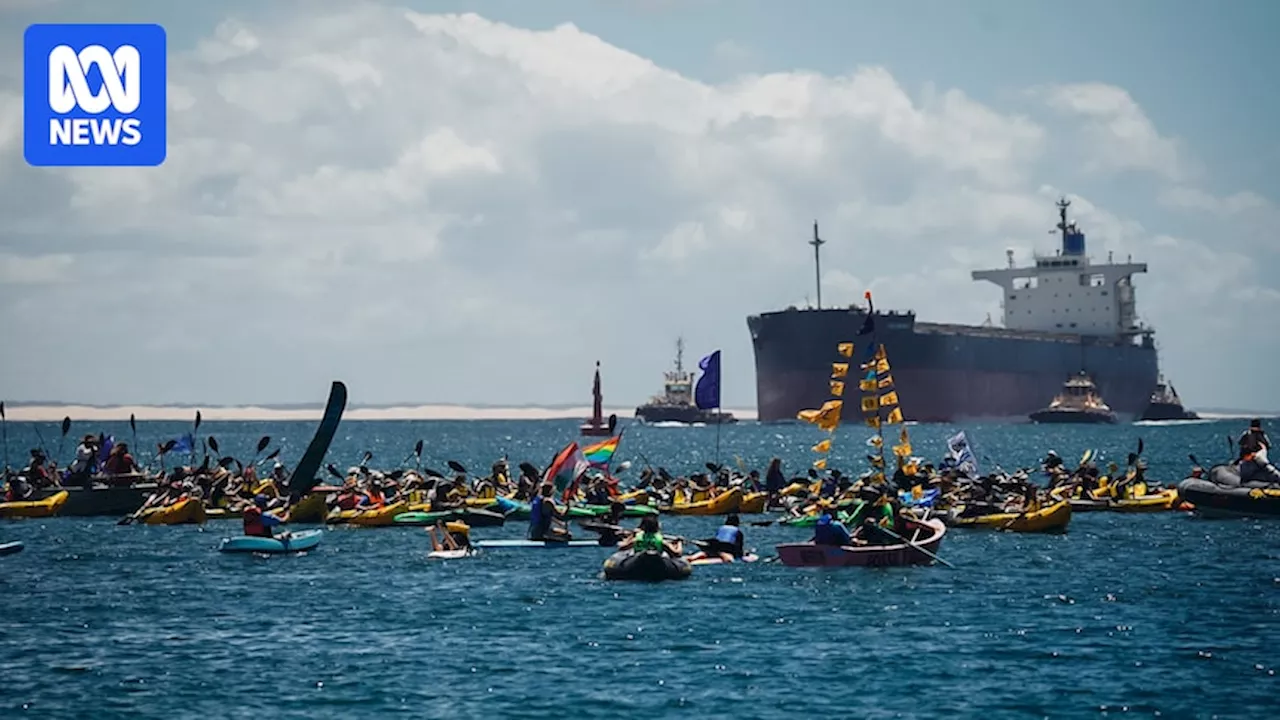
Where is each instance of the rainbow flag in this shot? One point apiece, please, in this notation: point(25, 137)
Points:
point(602, 452)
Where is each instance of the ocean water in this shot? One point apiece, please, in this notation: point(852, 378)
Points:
point(1162, 615)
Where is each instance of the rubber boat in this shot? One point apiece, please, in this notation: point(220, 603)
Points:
point(648, 566)
point(896, 555)
point(717, 560)
point(722, 504)
point(517, 543)
point(753, 503)
point(47, 507)
point(184, 512)
point(298, 542)
point(1050, 519)
point(10, 548)
point(367, 517)
point(1221, 494)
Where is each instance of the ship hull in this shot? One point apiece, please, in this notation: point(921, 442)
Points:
point(688, 415)
point(1168, 411)
point(942, 373)
point(1072, 417)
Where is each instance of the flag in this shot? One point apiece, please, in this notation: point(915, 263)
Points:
point(869, 324)
point(960, 451)
point(839, 370)
point(824, 446)
point(827, 417)
point(867, 386)
point(837, 388)
point(820, 463)
point(566, 469)
point(895, 416)
point(882, 365)
point(875, 441)
point(869, 404)
point(903, 450)
point(885, 382)
point(184, 444)
point(889, 398)
point(845, 349)
point(602, 452)
point(706, 394)
point(873, 421)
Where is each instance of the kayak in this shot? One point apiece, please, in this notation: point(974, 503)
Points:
point(632, 511)
point(312, 508)
point(717, 560)
point(10, 548)
point(300, 541)
point(516, 510)
point(183, 512)
point(367, 517)
point(47, 507)
point(534, 543)
point(450, 554)
point(634, 497)
point(722, 504)
point(753, 503)
point(648, 566)
point(896, 555)
point(1162, 501)
point(1051, 519)
point(423, 518)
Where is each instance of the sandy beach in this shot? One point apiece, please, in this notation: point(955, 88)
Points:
point(55, 413)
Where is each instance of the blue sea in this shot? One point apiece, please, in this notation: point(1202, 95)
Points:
point(1161, 615)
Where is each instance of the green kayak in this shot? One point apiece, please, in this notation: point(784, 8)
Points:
point(425, 518)
point(631, 511)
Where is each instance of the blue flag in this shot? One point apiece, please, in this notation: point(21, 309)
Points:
point(185, 444)
point(706, 394)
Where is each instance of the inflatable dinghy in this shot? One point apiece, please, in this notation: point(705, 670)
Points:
point(1221, 494)
point(646, 567)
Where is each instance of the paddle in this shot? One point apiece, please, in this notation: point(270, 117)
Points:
point(195, 429)
point(334, 472)
point(133, 432)
point(66, 428)
point(613, 423)
point(213, 444)
point(417, 453)
point(4, 427)
point(162, 450)
point(150, 502)
point(893, 534)
point(456, 466)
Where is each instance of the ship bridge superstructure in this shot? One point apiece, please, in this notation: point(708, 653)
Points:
point(1067, 293)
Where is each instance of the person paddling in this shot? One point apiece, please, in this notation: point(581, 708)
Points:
point(728, 542)
point(829, 530)
point(257, 521)
point(543, 517)
point(649, 539)
point(454, 535)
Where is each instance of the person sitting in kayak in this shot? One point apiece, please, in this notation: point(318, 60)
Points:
point(598, 492)
point(257, 521)
point(649, 539)
point(727, 543)
point(38, 473)
point(119, 461)
point(19, 489)
point(454, 535)
point(546, 521)
point(829, 530)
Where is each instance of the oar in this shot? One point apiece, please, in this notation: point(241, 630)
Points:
point(916, 546)
point(263, 442)
point(213, 444)
point(4, 427)
point(133, 432)
point(66, 428)
point(195, 429)
point(334, 471)
point(272, 456)
point(417, 453)
point(613, 423)
point(150, 501)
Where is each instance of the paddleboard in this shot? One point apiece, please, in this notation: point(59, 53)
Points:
point(748, 558)
point(534, 543)
point(10, 548)
point(450, 554)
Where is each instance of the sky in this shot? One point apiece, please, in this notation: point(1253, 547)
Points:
point(473, 202)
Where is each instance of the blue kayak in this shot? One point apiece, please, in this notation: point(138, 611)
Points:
point(10, 548)
point(304, 540)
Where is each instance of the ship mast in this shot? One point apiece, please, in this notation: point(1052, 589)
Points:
point(817, 244)
point(679, 355)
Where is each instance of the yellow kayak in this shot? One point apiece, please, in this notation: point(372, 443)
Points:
point(183, 512)
point(722, 504)
point(221, 513)
point(375, 517)
point(753, 503)
point(1162, 501)
point(638, 497)
point(47, 507)
point(312, 508)
point(1053, 518)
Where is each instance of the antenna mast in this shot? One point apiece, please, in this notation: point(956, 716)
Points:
point(679, 354)
point(817, 243)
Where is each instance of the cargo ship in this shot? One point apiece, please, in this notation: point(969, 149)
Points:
point(1062, 314)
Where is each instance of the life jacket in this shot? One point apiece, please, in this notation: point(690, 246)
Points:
point(253, 526)
point(539, 517)
point(647, 542)
point(729, 534)
point(376, 498)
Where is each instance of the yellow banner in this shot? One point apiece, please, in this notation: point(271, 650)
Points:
point(839, 370)
point(837, 388)
point(895, 416)
point(885, 382)
point(820, 463)
point(845, 349)
point(824, 446)
point(869, 404)
point(889, 398)
point(873, 421)
point(882, 366)
point(903, 450)
point(867, 386)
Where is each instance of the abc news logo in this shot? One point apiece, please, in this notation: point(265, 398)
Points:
point(69, 89)
point(94, 95)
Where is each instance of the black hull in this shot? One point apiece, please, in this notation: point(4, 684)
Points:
point(1072, 417)
point(943, 373)
point(645, 567)
point(1167, 411)
point(682, 414)
point(100, 501)
point(1213, 500)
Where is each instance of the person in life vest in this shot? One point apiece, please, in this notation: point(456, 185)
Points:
point(829, 530)
point(257, 521)
point(880, 516)
point(1255, 466)
point(728, 542)
point(546, 521)
point(649, 539)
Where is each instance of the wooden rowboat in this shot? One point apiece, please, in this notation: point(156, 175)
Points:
point(897, 555)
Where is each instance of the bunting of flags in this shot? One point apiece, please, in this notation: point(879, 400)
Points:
point(880, 405)
point(827, 417)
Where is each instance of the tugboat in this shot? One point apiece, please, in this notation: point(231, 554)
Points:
point(1166, 405)
point(595, 426)
point(1079, 402)
point(675, 404)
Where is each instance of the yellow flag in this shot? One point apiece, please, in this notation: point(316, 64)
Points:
point(827, 417)
point(839, 370)
point(837, 388)
point(882, 365)
point(889, 398)
point(824, 446)
point(909, 468)
point(874, 420)
point(820, 463)
point(885, 382)
point(895, 416)
point(875, 441)
point(876, 461)
point(845, 349)
point(903, 450)
point(867, 386)
point(903, 435)
point(869, 404)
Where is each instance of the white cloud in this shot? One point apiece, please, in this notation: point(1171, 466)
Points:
point(445, 208)
point(1195, 199)
point(1122, 135)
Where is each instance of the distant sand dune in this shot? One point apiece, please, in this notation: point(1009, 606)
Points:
point(54, 413)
